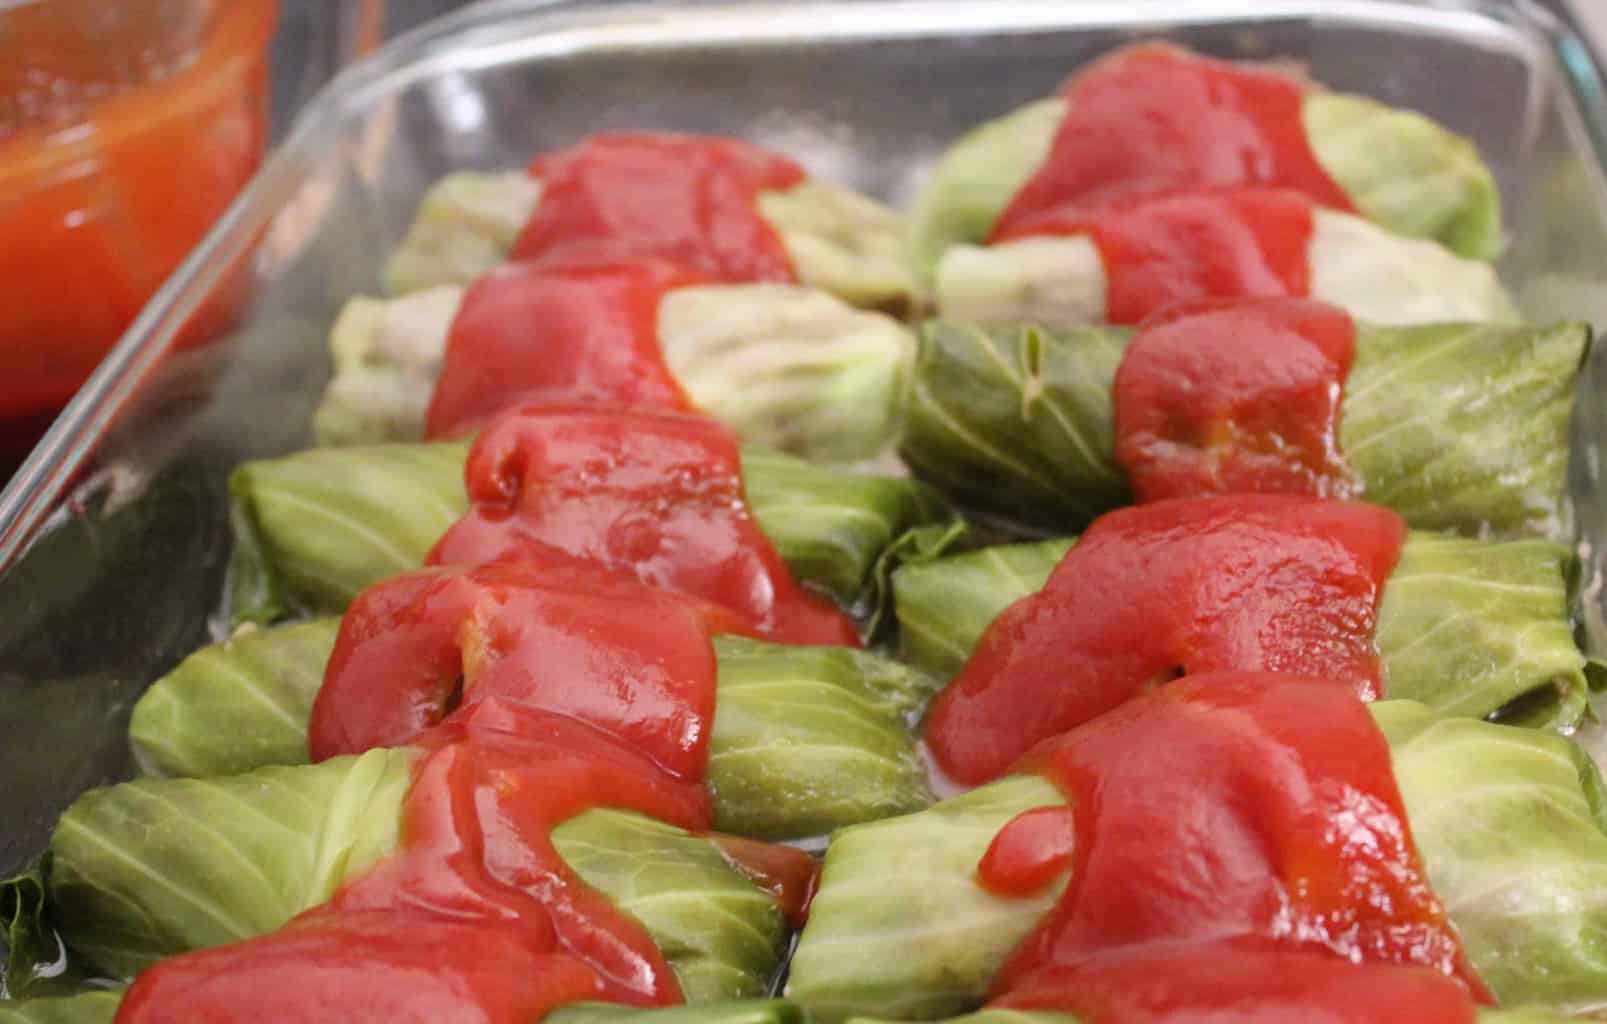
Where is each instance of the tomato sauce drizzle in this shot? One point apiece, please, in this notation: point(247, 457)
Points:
point(691, 200)
point(787, 873)
point(1235, 397)
point(1152, 592)
point(1181, 247)
point(545, 674)
point(1155, 118)
point(578, 334)
point(632, 660)
point(1243, 983)
point(1233, 807)
point(575, 693)
point(656, 498)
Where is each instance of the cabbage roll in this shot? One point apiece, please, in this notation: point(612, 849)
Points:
point(1508, 823)
point(1485, 1016)
point(315, 527)
point(155, 867)
point(805, 739)
point(1456, 426)
point(1059, 281)
point(101, 1007)
point(1399, 169)
point(839, 241)
point(93, 1007)
point(1467, 627)
point(786, 367)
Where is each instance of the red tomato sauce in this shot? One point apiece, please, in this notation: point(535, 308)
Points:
point(584, 334)
point(655, 498)
point(787, 873)
point(1162, 250)
point(690, 200)
point(1156, 118)
point(97, 210)
point(1153, 592)
point(575, 694)
point(1262, 810)
point(1220, 982)
point(1241, 397)
point(632, 660)
point(476, 858)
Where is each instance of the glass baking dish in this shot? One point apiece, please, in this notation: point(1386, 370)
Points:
point(114, 536)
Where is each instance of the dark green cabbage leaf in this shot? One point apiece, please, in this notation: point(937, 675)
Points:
point(1455, 426)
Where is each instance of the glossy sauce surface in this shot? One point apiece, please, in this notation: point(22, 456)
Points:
point(1241, 807)
point(1155, 118)
point(1243, 984)
point(476, 855)
point(690, 200)
point(1235, 397)
point(1162, 250)
point(581, 334)
point(655, 498)
point(632, 660)
point(575, 694)
point(1152, 592)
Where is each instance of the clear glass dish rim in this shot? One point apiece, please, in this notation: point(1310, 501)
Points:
point(38, 487)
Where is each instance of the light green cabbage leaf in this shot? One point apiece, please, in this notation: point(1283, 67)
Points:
point(387, 355)
point(839, 241)
point(155, 867)
point(465, 226)
point(92, 1007)
point(1508, 823)
point(804, 739)
point(1059, 281)
point(751, 1011)
point(315, 527)
point(1405, 172)
point(1401, 170)
point(785, 367)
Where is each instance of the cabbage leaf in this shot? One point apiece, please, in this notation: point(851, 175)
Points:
point(1455, 426)
point(1508, 822)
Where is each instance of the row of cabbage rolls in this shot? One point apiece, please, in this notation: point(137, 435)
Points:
point(676, 515)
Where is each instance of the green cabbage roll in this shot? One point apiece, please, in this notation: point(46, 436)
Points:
point(387, 354)
point(805, 739)
point(1508, 822)
point(102, 1007)
point(998, 1017)
point(1467, 627)
point(746, 1011)
point(839, 241)
point(1401, 171)
point(1059, 281)
point(155, 867)
point(1485, 1016)
point(465, 225)
point(785, 367)
point(314, 528)
point(92, 1007)
point(1455, 426)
